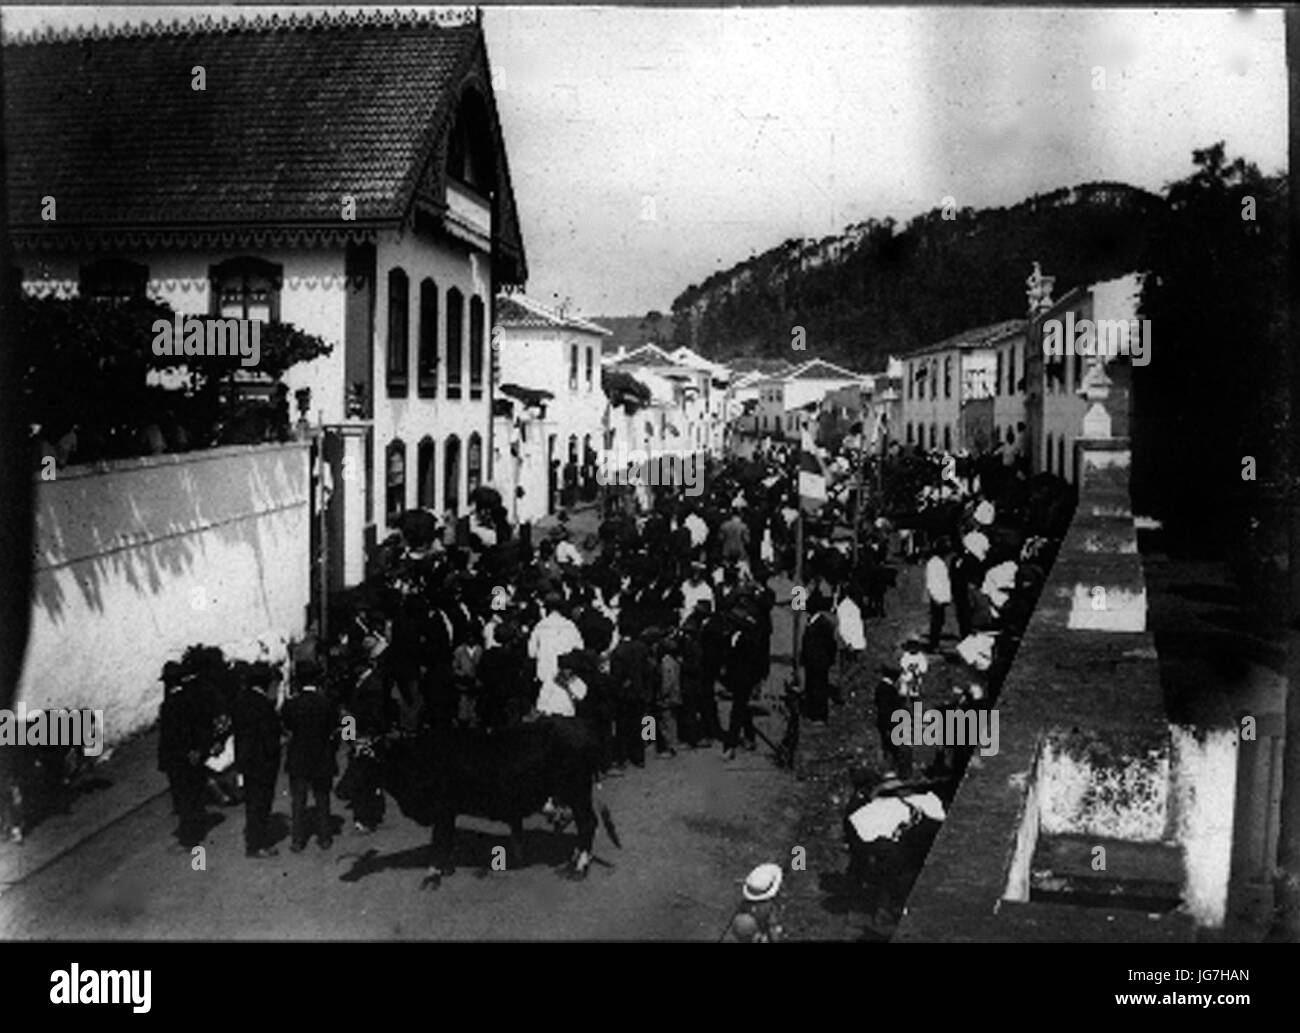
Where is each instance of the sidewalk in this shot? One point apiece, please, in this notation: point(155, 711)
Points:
point(112, 790)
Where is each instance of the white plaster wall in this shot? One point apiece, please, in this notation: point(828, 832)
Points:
point(538, 358)
point(413, 418)
point(1205, 785)
point(1129, 802)
point(938, 410)
point(139, 559)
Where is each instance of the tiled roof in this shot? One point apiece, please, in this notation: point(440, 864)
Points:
point(820, 369)
point(516, 310)
point(296, 114)
point(980, 337)
point(647, 355)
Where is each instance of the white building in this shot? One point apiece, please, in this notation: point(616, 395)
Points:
point(787, 403)
point(966, 391)
point(386, 229)
point(551, 410)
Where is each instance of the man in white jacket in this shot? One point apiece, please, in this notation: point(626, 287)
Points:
point(553, 636)
point(938, 587)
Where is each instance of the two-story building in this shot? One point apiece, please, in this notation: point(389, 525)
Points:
point(1056, 403)
point(966, 391)
point(788, 402)
point(551, 412)
point(342, 172)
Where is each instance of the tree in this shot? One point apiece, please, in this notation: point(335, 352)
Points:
point(87, 364)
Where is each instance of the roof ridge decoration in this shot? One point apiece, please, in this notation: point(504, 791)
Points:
point(441, 17)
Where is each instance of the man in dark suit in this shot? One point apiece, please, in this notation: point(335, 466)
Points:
point(312, 723)
point(742, 675)
point(257, 754)
point(630, 671)
point(184, 737)
point(817, 655)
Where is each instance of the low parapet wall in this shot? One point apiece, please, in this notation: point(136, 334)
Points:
point(1086, 749)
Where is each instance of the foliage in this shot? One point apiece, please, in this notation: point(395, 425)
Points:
point(621, 388)
point(88, 368)
point(1215, 389)
point(891, 290)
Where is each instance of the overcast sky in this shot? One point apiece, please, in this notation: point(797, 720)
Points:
point(651, 147)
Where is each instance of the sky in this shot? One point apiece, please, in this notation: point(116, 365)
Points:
point(651, 147)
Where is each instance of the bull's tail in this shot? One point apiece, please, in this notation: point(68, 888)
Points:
point(607, 820)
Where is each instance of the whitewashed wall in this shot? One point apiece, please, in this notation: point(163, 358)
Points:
point(138, 559)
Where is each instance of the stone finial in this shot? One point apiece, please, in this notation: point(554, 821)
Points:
point(1038, 289)
point(1095, 387)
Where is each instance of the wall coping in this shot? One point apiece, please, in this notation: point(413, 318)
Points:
point(198, 455)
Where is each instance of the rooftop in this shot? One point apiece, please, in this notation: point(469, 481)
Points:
point(980, 337)
point(517, 310)
point(294, 115)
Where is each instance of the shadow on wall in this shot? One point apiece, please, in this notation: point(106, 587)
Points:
point(138, 559)
point(141, 521)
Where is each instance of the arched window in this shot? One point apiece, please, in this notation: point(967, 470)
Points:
point(947, 438)
point(114, 279)
point(909, 433)
point(426, 458)
point(428, 360)
point(933, 436)
point(475, 463)
point(573, 367)
point(451, 475)
point(455, 341)
point(246, 288)
point(476, 347)
point(591, 365)
point(399, 346)
point(395, 480)
point(1048, 453)
point(947, 376)
point(1060, 456)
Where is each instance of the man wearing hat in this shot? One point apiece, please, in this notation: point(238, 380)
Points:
point(257, 753)
point(312, 723)
point(817, 655)
point(631, 671)
point(742, 673)
point(756, 918)
point(183, 740)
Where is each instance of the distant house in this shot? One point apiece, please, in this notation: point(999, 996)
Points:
point(1055, 407)
point(551, 410)
point(784, 399)
point(342, 172)
point(966, 391)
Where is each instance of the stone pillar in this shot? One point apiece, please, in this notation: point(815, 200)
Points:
point(1113, 598)
point(346, 521)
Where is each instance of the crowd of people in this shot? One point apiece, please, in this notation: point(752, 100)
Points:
point(645, 632)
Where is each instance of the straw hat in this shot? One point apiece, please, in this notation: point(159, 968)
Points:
point(763, 883)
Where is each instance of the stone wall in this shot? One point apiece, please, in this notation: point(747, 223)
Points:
point(1086, 749)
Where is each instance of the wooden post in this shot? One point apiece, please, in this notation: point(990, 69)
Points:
point(798, 582)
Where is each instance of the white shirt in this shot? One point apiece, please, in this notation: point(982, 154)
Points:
point(554, 700)
point(567, 552)
point(553, 636)
point(937, 583)
point(698, 528)
point(849, 618)
point(692, 593)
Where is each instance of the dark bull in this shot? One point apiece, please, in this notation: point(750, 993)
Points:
point(506, 775)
